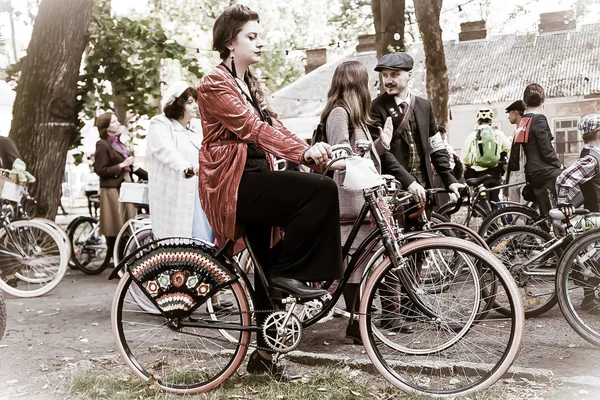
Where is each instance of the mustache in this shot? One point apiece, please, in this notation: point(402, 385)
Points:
point(390, 85)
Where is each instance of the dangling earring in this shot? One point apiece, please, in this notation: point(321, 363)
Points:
point(233, 71)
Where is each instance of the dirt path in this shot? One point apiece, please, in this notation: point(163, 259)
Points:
point(50, 338)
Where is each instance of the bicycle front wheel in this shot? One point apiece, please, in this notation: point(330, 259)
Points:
point(515, 247)
point(179, 360)
point(460, 350)
point(578, 286)
point(33, 258)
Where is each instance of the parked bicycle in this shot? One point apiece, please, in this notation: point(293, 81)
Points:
point(33, 256)
point(477, 207)
point(532, 255)
point(89, 249)
point(578, 278)
point(183, 349)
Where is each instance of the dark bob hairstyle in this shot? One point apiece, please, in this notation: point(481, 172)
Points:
point(176, 109)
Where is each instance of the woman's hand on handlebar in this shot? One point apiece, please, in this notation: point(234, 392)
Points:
point(318, 153)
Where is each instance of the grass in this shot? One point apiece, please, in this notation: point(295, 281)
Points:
point(317, 383)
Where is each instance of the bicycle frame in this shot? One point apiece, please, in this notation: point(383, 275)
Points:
point(382, 231)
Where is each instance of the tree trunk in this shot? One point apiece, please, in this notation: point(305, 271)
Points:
point(428, 19)
point(44, 113)
point(389, 19)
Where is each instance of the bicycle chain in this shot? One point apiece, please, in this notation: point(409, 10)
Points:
point(249, 345)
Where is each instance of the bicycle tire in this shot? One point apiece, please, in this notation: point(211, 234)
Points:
point(576, 274)
point(45, 261)
point(490, 224)
point(127, 230)
point(501, 246)
point(2, 316)
point(91, 255)
point(62, 233)
point(184, 381)
point(480, 368)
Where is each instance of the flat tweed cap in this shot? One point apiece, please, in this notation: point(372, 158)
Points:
point(396, 61)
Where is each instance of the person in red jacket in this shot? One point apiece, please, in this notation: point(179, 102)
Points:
point(238, 187)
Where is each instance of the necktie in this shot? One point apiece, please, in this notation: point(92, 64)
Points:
point(403, 107)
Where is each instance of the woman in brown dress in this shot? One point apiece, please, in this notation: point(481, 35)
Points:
point(114, 165)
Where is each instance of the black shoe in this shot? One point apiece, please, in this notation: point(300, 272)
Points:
point(353, 334)
point(259, 365)
point(296, 288)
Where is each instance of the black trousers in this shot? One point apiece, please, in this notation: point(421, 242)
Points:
point(543, 183)
point(307, 208)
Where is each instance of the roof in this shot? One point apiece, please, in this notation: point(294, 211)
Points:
point(491, 70)
point(497, 69)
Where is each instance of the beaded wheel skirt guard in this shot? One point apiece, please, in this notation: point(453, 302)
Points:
point(178, 275)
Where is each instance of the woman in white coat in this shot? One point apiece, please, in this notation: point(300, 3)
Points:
point(172, 159)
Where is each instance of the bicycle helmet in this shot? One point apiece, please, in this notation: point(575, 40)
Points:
point(485, 113)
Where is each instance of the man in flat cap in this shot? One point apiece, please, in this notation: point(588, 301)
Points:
point(515, 113)
point(415, 142)
point(415, 146)
point(584, 173)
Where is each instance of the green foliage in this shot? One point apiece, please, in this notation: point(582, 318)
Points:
point(353, 18)
point(123, 65)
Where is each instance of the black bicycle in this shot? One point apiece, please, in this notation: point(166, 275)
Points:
point(452, 348)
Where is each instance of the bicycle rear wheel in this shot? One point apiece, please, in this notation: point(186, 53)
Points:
point(515, 246)
point(578, 286)
point(89, 250)
point(33, 258)
point(508, 216)
point(179, 360)
point(458, 352)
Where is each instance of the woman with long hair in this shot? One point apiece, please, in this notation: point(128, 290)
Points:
point(239, 189)
point(346, 117)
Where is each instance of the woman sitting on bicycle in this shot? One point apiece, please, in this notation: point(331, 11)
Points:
point(241, 192)
point(346, 117)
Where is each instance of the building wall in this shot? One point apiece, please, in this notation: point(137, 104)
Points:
point(563, 114)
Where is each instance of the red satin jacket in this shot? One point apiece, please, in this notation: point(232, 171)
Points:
point(229, 123)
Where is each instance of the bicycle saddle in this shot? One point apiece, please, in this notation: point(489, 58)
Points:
point(477, 181)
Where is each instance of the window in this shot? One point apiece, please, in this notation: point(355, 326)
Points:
point(567, 139)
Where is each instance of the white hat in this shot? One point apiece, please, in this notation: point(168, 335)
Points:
point(173, 92)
